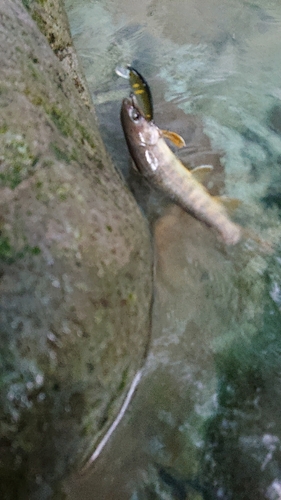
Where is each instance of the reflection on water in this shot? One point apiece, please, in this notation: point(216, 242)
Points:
point(205, 422)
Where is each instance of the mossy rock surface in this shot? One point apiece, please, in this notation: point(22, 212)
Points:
point(75, 271)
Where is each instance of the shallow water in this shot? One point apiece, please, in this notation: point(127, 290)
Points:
point(205, 422)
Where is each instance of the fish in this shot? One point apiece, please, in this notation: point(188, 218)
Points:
point(156, 162)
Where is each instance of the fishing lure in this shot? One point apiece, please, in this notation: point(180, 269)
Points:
point(142, 92)
point(140, 89)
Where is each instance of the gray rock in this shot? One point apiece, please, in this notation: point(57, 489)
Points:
point(75, 270)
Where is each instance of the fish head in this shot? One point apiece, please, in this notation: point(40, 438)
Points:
point(136, 127)
point(141, 135)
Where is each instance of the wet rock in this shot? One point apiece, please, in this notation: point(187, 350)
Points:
point(75, 270)
point(52, 20)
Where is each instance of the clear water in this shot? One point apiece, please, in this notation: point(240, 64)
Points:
point(205, 422)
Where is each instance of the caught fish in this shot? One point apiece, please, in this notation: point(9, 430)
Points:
point(158, 164)
point(140, 89)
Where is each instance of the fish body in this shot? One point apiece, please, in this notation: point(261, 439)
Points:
point(158, 164)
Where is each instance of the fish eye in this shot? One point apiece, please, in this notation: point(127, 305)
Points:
point(135, 114)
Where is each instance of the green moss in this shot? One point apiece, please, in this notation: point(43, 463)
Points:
point(4, 89)
point(60, 119)
point(85, 134)
point(35, 250)
point(39, 20)
point(3, 128)
point(17, 160)
point(47, 163)
point(132, 297)
point(99, 164)
point(60, 154)
point(62, 192)
point(37, 100)
point(41, 195)
point(26, 4)
point(6, 253)
point(74, 155)
point(9, 255)
point(12, 178)
point(36, 75)
point(124, 381)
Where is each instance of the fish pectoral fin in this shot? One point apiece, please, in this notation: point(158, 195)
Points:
point(231, 204)
point(200, 173)
point(175, 138)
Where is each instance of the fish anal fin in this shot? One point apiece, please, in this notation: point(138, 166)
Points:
point(231, 204)
point(200, 173)
point(175, 138)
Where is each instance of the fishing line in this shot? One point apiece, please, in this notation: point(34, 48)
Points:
point(116, 422)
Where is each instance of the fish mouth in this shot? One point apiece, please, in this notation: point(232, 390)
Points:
point(127, 103)
point(130, 103)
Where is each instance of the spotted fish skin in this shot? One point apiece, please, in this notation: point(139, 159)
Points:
point(158, 164)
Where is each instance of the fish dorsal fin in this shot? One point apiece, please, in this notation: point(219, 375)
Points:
point(200, 173)
point(175, 138)
point(231, 204)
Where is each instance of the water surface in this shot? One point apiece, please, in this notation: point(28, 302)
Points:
point(205, 422)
